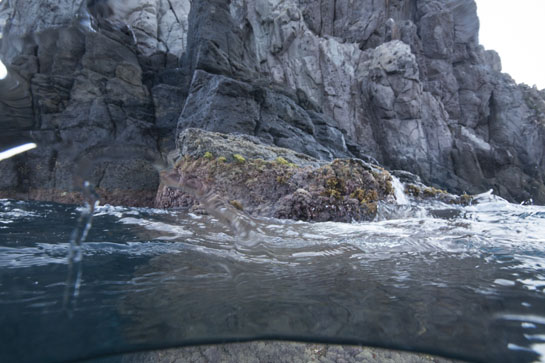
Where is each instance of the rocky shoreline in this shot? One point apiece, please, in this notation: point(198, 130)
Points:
point(404, 85)
point(240, 172)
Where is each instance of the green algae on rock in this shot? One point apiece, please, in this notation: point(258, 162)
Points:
point(275, 182)
point(420, 191)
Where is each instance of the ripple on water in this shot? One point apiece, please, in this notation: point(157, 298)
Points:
point(468, 282)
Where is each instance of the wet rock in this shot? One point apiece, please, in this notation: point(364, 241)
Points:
point(419, 191)
point(276, 351)
point(274, 182)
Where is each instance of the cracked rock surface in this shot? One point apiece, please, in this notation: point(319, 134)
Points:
point(402, 82)
point(269, 181)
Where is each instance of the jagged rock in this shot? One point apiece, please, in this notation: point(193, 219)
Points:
point(216, 43)
point(220, 103)
point(87, 92)
point(405, 106)
point(273, 182)
point(403, 82)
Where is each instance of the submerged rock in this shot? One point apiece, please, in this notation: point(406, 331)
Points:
point(272, 182)
point(281, 351)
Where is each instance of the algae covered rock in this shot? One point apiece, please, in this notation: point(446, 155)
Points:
point(198, 143)
point(270, 181)
point(343, 190)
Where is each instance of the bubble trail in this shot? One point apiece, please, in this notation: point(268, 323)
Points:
point(80, 181)
point(75, 252)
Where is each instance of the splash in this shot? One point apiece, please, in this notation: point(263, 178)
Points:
point(75, 253)
point(80, 182)
point(240, 223)
point(3, 70)
point(399, 191)
point(243, 225)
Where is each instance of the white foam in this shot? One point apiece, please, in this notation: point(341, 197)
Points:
point(3, 70)
point(535, 319)
point(399, 191)
point(173, 231)
point(504, 282)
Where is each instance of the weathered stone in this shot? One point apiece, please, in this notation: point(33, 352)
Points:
point(195, 143)
point(272, 182)
point(220, 103)
point(404, 83)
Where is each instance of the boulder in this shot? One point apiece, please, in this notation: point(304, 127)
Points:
point(226, 172)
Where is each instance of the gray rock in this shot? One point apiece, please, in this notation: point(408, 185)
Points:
point(168, 102)
point(437, 33)
point(404, 83)
point(197, 142)
point(277, 351)
point(216, 43)
point(86, 91)
point(222, 104)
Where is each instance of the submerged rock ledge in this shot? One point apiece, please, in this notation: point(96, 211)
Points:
point(277, 351)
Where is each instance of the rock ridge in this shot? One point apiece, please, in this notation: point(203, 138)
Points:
point(401, 83)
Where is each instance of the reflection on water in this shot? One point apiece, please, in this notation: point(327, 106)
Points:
point(467, 282)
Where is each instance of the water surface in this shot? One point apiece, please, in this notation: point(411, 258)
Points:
point(462, 282)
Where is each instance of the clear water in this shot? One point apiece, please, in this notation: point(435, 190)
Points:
point(462, 282)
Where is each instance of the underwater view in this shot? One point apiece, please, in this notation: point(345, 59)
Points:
point(263, 181)
point(462, 282)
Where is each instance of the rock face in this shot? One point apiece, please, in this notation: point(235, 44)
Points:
point(401, 82)
point(219, 103)
point(83, 76)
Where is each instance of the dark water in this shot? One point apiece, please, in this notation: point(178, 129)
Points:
point(466, 283)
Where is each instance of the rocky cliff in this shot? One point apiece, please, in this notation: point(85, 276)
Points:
point(402, 82)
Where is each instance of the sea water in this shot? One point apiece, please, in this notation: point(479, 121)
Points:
point(463, 282)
